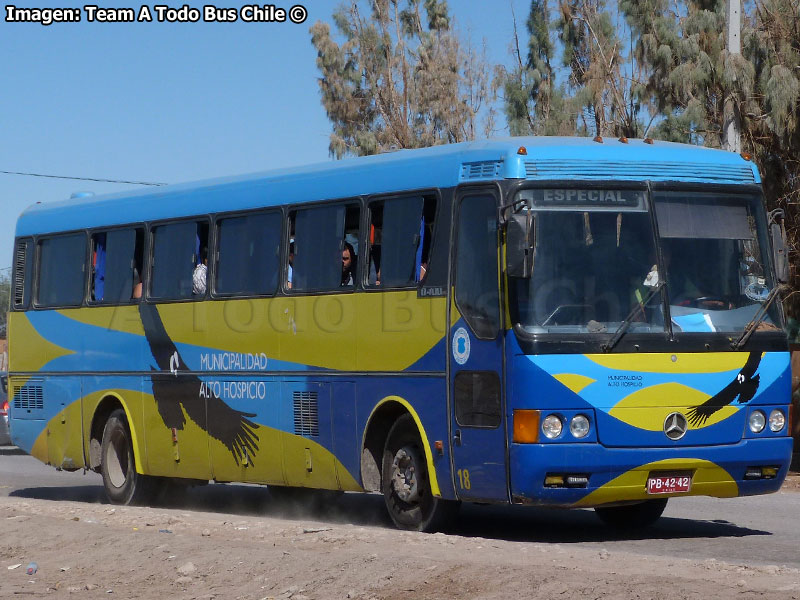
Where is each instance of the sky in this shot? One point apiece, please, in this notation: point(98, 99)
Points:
point(172, 102)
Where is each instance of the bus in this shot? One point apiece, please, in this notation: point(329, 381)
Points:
point(566, 322)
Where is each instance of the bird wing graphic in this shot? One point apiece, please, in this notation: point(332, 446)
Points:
point(743, 387)
point(177, 391)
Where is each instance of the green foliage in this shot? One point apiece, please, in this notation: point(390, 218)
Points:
point(400, 78)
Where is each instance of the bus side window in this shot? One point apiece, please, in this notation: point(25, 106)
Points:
point(179, 267)
point(116, 261)
point(319, 237)
point(399, 251)
point(248, 254)
point(62, 263)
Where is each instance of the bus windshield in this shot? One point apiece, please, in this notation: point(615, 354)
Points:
point(713, 249)
point(595, 262)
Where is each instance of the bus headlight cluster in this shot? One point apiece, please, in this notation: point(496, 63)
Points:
point(777, 420)
point(757, 421)
point(553, 425)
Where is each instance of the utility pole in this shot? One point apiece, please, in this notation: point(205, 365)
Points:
point(731, 128)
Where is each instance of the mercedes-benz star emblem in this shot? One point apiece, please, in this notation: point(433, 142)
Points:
point(675, 426)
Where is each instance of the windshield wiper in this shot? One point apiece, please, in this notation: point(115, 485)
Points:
point(623, 327)
point(757, 318)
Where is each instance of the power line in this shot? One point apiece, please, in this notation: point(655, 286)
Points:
point(80, 178)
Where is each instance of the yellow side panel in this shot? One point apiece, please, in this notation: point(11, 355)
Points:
point(29, 351)
point(65, 439)
point(396, 329)
point(185, 455)
point(117, 318)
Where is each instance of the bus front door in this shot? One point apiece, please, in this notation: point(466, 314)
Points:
point(478, 441)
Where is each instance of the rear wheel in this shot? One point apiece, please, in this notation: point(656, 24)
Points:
point(406, 483)
point(123, 485)
point(632, 516)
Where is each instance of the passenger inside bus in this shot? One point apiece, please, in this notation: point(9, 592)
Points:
point(349, 261)
point(200, 275)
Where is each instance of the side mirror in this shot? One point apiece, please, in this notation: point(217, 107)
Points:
point(519, 245)
point(777, 231)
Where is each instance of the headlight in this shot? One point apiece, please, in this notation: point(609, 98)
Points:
point(757, 421)
point(776, 420)
point(579, 426)
point(551, 426)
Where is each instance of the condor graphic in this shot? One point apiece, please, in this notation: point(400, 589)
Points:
point(175, 389)
point(743, 388)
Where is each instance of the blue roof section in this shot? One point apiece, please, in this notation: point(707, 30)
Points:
point(548, 158)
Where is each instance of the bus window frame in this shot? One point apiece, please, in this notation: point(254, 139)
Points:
point(434, 193)
point(294, 207)
point(145, 244)
point(212, 293)
point(37, 241)
point(147, 281)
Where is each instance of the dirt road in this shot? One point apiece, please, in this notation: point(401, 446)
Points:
point(95, 550)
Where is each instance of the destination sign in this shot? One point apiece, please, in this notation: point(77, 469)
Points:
point(585, 197)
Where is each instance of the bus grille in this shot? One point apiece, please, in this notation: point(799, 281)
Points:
point(656, 171)
point(485, 169)
point(19, 273)
point(306, 415)
point(28, 397)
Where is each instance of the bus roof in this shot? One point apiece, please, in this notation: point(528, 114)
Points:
point(547, 158)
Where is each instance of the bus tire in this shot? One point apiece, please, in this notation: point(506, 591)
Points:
point(632, 516)
point(406, 485)
point(123, 485)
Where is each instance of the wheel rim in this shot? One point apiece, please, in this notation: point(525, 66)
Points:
point(405, 474)
point(116, 459)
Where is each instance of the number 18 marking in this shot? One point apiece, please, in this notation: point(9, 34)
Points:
point(463, 479)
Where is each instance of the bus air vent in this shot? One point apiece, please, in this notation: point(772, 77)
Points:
point(485, 169)
point(306, 415)
point(19, 273)
point(643, 170)
point(28, 397)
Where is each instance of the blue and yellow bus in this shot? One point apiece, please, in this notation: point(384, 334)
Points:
point(538, 321)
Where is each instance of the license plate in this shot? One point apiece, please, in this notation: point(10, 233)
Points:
point(668, 484)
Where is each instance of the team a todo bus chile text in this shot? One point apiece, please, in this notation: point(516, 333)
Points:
point(251, 13)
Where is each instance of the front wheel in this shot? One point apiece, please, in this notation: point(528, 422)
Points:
point(123, 485)
point(406, 484)
point(632, 516)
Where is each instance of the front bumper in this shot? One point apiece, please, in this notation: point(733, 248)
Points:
point(620, 474)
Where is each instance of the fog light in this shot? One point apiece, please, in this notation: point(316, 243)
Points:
point(577, 481)
point(579, 426)
point(757, 421)
point(776, 420)
point(769, 472)
point(752, 473)
point(551, 480)
point(552, 426)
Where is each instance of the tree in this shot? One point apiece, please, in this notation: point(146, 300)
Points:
point(399, 80)
point(692, 75)
point(593, 53)
point(771, 44)
point(534, 103)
